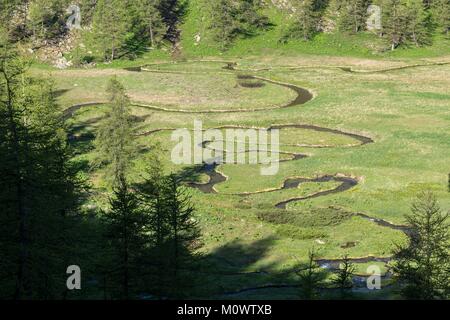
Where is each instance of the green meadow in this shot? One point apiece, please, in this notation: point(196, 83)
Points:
point(247, 241)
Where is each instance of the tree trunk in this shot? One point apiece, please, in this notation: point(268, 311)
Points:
point(152, 38)
point(126, 255)
point(113, 49)
point(125, 274)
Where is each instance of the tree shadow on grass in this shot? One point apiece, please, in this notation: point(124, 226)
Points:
point(191, 174)
point(236, 268)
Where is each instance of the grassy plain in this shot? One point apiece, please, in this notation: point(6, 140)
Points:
point(247, 241)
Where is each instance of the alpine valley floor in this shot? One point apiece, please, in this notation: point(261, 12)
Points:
point(359, 139)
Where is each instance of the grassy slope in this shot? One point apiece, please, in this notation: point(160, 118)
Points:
point(266, 43)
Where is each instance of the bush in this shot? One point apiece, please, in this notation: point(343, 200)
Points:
point(316, 217)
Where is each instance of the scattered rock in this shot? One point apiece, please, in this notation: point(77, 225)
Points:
point(62, 63)
point(197, 39)
point(320, 241)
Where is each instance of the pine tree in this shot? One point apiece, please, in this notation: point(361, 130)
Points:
point(441, 14)
point(306, 20)
point(344, 276)
point(395, 22)
point(419, 23)
point(353, 15)
point(231, 19)
point(39, 187)
point(311, 277)
point(172, 13)
point(46, 18)
point(152, 21)
point(125, 225)
point(114, 140)
point(423, 265)
point(183, 235)
point(174, 234)
point(110, 28)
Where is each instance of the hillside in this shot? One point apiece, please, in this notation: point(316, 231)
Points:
point(366, 44)
point(196, 36)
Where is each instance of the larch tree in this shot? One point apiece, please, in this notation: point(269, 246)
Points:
point(395, 22)
point(306, 17)
point(419, 23)
point(422, 266)
point(110, 28)
point(39, 186)
point(183, 235)
point(311, 277)
point(224, 22)
point(170, 259)
point(353, 15)
point(441, 15)
point(152, 20)
point(46, 18)
point(124, 221)
point(114, 142)
point(231, 19)
point(344, 276)
point(126, 233)
point(172, 13)
point(153, 199)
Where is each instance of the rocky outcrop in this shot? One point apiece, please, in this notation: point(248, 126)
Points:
point(283, 5)
point(54, 51)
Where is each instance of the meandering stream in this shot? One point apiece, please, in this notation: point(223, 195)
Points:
point(215, 177)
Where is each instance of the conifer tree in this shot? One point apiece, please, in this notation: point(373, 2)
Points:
point(231, 19)
point(39, 187)
point(223, 23)
point(306, 20)
point(152, 20)
point(110, 28)
point(125, 226)
point(310, 277)
point(441, 14)
point(172, 13)
point(174, 234)
point(353, 15)
point(7, 8)
point(422, 266)
point(344, 275)
point(419, 23)
point(46, 18)
point(250, 17)
point(152, 198)
point(395, 22)
point(114, 142)
point(183, 235)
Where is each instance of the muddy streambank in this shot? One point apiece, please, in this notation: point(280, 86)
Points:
point(347, 183)
point(302, 95)
point(215, 177)
point(362, 139)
